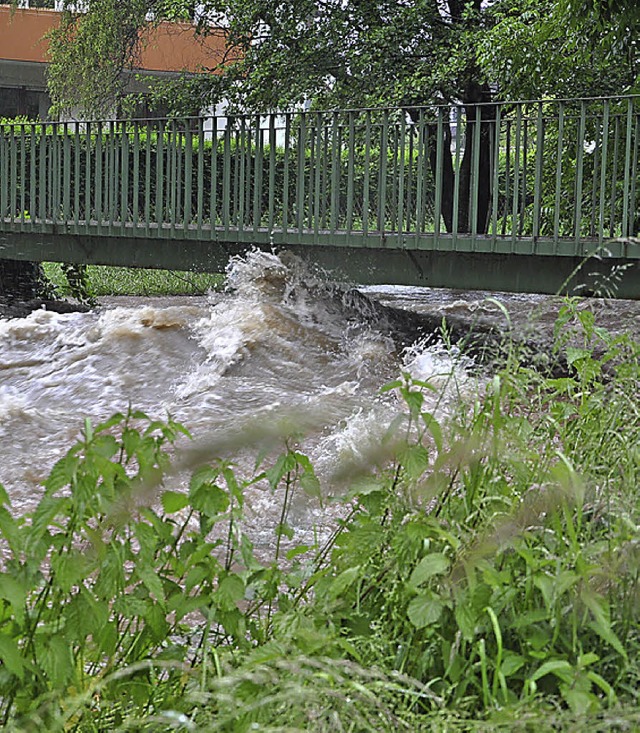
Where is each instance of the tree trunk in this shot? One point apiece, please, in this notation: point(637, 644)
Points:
point(20, 280)
point(483, 115)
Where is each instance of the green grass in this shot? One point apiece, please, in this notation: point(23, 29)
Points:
point(487, 577)
point(103, 281)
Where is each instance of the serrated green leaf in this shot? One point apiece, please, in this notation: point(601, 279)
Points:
point(434, 564)
point(424, 610)
point(414, 460)
point(174, 501)
point(344, 581)
point(15, 593)
point(11, 657)
point(433, 426)
point(230, 591)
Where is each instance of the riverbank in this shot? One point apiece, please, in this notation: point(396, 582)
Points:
point(483, 575)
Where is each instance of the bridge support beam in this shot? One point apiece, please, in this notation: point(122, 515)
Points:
point(526, 273)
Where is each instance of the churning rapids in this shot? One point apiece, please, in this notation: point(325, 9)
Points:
point(281, 347)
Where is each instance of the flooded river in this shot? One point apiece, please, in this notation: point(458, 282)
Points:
point(280, 345)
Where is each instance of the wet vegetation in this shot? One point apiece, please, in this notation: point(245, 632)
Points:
point(484, 573)
point(101, 280)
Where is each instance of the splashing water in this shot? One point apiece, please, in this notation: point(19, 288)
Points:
point(282, 344)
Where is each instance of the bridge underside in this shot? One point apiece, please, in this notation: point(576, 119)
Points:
point(461, 262)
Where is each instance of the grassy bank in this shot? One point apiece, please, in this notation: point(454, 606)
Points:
point(103, 280)
point(486, 577)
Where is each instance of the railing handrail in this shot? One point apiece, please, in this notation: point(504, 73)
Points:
point(432, 107)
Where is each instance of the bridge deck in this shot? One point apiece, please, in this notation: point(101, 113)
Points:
point(517, 202)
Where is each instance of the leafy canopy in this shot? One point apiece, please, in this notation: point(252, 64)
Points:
point(357, 52)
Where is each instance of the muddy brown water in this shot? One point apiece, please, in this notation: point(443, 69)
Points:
point(281, 347)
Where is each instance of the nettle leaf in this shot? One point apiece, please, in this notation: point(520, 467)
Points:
point(574, 354)
point(210, 500)
point(62, 474)
point(174, 501)
point(15, 593)
point(343, 581)
point(415, 460)
point(70, 569)
point(11, 657)
point(232, 484)
point(434, 564)
point(230, 591)
point(425, 610)
point(283, 465)
point(105, 445)
point(433, 426)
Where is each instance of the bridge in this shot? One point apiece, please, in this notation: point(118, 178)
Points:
point(537, 196)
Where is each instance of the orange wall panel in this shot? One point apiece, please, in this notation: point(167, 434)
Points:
point(168, 47)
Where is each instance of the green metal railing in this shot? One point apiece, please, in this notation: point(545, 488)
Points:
point(542, 177)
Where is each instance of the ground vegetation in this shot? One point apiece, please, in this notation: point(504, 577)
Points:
point(483, 577)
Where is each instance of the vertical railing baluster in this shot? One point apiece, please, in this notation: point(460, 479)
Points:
point(594, 178)
point(367, 172)
point(558, 187)
point(124, 175)
point(76, 184)
point(88, 187)
point(579, 172)
point(100, 153)
point(325, 208)
point(474, 188)
point(160, 176)
point(135, 182)
point(439, 171)
point(113, 177)
point(4, 172)
point(23, 175)
point(300, 174)
point(539, 159)
point(147, 177)
point(32, 174)
point(635, 214)
point(410, 183)
point(42, 175)
point(226, 177)
point(382, 180)
point(66, 173)
point(422, 144)
point(515, 213)
point(495, 196)
point(456, 185)
point(272, 172)
point(402, 132)
point(351, 148)
point(200, 178)
point(258, 175)
point(317, 189)
point(213, 183)
point(603, 170)
point(335, 173)
point(174, 175)
point(285, 173)
point(614, 176)
point(13, 178)
point(626, 192)
point(525, 173)
point(188, 175)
